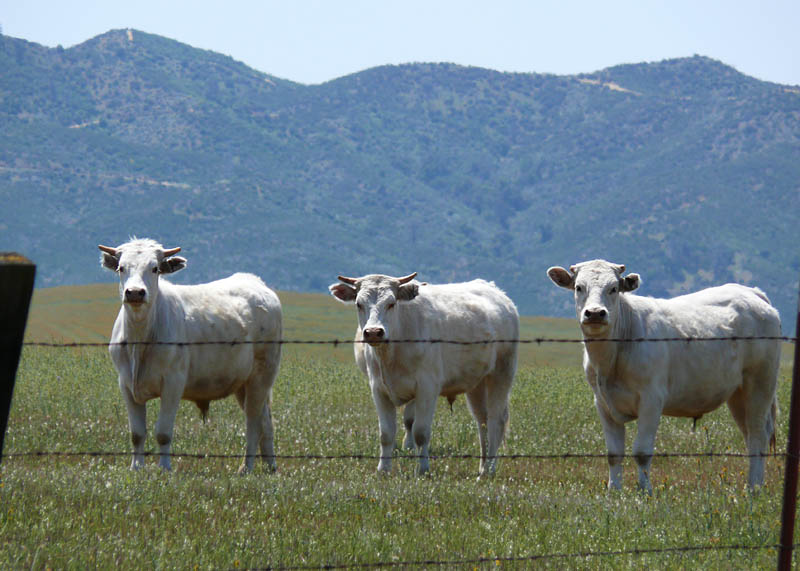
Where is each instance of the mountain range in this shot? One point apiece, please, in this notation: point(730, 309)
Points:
point(684, 170)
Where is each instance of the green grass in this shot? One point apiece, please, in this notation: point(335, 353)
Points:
point(80, 512)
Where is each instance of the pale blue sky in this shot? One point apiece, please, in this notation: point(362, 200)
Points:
point(312, 41)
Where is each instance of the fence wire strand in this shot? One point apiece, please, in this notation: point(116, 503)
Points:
point(530, 558)
point(400, 456)
point(337, 342)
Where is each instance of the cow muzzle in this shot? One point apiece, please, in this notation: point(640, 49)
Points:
point(135, 296)
point(594, 319)
point(374, 336)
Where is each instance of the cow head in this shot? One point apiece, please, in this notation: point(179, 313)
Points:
point(139, 263)
point(376, 298)
point(597, 285)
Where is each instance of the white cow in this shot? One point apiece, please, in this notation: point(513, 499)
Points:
point(396, 309)
point(155, 314)
point(644, 380)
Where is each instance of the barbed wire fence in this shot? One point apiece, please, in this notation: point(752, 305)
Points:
point(542, 557)
point(14, 313)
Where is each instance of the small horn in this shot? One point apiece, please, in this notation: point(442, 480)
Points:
point(171, 252)
point(108, 250)
point(349, 281)
point(407, 279)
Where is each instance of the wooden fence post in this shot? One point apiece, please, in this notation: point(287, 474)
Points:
point(792, 462)
point(16, 288)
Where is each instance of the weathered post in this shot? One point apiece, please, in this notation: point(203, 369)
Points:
point(16, 287)
point(792, 462)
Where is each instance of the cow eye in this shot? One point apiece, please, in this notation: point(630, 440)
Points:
point(579, 289)
point(121, 269)
point(614, 289)
point(391, 305)
point(155, 269)
point(359, 305)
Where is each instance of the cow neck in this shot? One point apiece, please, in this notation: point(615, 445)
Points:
point(603, 354)
point(383, 353)
point(379, 361)
point(140, 329)
point(138, 332)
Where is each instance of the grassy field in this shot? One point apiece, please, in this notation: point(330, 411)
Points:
point(84, 511)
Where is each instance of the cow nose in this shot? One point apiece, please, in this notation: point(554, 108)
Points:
point(134, 295)
point(595, 314)
point(372, 334)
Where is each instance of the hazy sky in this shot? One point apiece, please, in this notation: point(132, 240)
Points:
point(312, 41)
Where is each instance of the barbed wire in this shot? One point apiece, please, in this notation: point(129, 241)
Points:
point(562, 456)
point(530, 558)
point(336, 342)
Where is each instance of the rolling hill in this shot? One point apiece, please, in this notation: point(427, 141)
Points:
point(685, 170)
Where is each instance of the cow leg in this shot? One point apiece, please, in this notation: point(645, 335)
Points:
point(408, 423)
point(424, 407)
point(255, 399)
point(614, 433)
point(137, 423)
point(165, 425)
point(498, 387)
point(387, 422)
point(476, 400)
point(759, 421)
point(259, 426)
point(738, 407)
point(267, 443)
point(644, 443)
point(253, 436)
point(241, 398)
point(240, 395)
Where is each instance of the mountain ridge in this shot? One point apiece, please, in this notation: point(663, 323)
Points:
point(685, 170)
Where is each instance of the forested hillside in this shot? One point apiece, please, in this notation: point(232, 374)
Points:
point(685, 170)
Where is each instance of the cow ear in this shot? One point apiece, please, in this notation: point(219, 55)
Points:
point(561, 277)
point(629, 282)
point(407, 292)
point(172, 265)
point(109, 259)
point(343, 292)
point(110, 262)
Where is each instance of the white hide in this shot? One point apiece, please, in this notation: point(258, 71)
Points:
point(644, 380)
point(416, 374)
point(239, 308)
